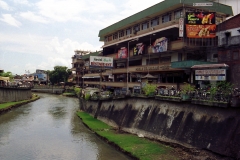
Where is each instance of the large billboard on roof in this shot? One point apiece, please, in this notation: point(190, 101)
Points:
point(200, 24)
point(101, 62)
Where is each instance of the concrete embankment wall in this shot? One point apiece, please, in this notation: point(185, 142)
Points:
point(213, 128)
point(14, 94)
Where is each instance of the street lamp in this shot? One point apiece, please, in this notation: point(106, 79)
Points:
point(128, 61)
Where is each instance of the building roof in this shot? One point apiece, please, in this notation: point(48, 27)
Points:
point(221, 65)
point(87, 56)
point(161, 7)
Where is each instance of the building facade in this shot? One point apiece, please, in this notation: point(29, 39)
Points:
point(153, 45)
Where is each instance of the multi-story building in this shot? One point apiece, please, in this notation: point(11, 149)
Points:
point(78, 67)
point(229, 47)
point(153, 44)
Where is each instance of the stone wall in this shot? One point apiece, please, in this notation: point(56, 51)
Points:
point(14, 94)
point(212, 128)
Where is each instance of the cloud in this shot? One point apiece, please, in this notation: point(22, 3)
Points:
point(4, 5)
point(24, 2)
point(61, 10)
point(10, 20)
point(32, 17)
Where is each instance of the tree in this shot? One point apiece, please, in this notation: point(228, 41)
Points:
point(7, 74)
point(59, 74)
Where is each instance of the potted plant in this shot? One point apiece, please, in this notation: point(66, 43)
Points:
point(186, 90)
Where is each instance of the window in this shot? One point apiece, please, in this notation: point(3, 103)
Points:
point(235, 55)
point(154, 22)
point(121, 33)
point(215, 55)
point(178, 14)
point(109, 38)
point(165, 59)
point(115, 36)
point(128, 31)
point(136, 29)
point(145, 25)
point(105, 39)
point(166, 18)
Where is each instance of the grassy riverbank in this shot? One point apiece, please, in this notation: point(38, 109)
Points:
point(139, 148)
point(9, 105)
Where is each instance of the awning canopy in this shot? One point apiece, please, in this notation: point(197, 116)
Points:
point(149, 76)
point(205, 66)
point(4, 78)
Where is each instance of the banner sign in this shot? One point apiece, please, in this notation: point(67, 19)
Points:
point(98, 61)
point(200, 18)
point(122, 53)
point(202, 4)
point(210, 75)
point(139, 49)
point(160, 45)
point(201, 31)
point(181, 29)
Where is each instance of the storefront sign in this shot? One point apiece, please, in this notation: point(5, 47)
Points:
point(103, 62)
point(200, 24)
point(201, 31)
point(200, 18)
point(202, 4)
point(122, 53)
point(160, 45)
point(181, 29)
point(153, 68)
point(210, 75)
point(139, 49)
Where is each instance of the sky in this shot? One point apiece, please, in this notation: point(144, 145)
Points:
point(41, 34)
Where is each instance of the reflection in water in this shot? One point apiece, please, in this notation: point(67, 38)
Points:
point(49, 129)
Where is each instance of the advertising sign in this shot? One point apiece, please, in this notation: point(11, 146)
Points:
point(139, 49)
point(98, 61)
point(201, 31)
point(200, 18)
point(210, 75)
point(160, 45)
point(202, 4)
point(181, 29)
point(122, 53)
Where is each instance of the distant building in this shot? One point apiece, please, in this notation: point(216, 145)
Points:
point(40, 76)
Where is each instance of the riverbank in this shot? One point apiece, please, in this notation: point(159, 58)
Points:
point(140, 148)
point(4, 107)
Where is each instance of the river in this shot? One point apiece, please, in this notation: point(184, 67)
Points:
point(48, 129)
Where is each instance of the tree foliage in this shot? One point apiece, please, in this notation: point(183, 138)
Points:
point(7, 74)
point(59, 74)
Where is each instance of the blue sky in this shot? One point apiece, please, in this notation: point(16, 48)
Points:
point(40, 34)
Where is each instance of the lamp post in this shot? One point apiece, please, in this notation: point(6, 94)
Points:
point(128, 61)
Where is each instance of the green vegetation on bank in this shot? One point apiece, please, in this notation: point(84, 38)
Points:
point(10, 104)
point(140, 148)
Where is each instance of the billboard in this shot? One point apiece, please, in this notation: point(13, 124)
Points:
point(201, 31)
point(200, 18)
point(122, 53)
point(101, 62)
point(139, 49)
point(160, 45)
point(210, 75)
point(200, 24)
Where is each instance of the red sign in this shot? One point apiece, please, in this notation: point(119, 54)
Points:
point(201, 31)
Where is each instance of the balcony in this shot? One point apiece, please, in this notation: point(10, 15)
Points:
point(79, 61)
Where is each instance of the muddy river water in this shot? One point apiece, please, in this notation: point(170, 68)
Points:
point(48, 129)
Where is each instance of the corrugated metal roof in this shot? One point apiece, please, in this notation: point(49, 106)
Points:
point(223, 65)
point(162, 6)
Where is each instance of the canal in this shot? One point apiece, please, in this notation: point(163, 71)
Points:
point(48, 129)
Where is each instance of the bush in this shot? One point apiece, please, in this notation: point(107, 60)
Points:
point(149, 89)
point(187, 88)
point(77, 91)
point(87, 96)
